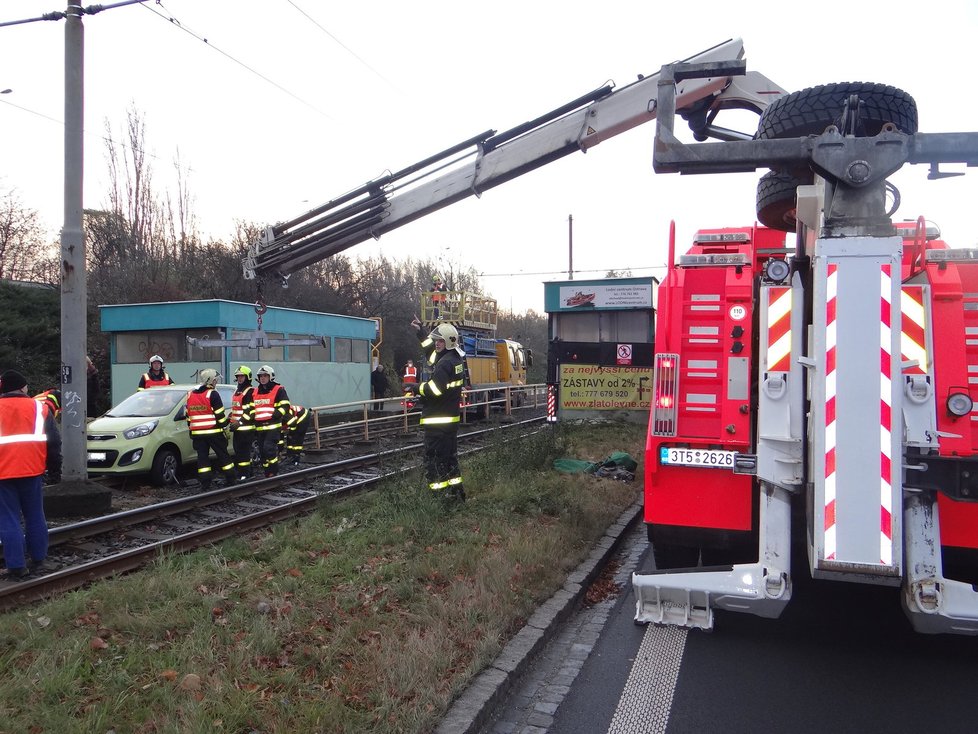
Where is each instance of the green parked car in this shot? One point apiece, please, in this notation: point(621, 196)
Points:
point(146, 434)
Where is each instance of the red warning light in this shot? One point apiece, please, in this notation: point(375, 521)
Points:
point(664, 401)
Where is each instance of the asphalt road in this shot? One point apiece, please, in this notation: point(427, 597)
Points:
point(842, 658)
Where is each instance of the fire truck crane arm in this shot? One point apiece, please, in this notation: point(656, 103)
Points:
point(490, 159)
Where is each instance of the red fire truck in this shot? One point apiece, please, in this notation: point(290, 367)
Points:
point(824, 388)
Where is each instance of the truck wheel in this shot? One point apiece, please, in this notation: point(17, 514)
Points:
point(811, 110)
point(776, 199)
point(166, 464)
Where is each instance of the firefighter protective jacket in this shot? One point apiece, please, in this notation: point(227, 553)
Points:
point(297, 414)
point(440, 395)
point(53, 399)
point(205, 411)
point(243, 408)
point(272, 406)
point(154, 379)
point(29, 438)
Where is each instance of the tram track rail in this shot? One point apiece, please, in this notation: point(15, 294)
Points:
point(86, 551)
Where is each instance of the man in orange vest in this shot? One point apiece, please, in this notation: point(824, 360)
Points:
point(209, 430)
point(410, 374)
point(272, 408)
point(439, 295)
point(156, 377)
point(29, 444)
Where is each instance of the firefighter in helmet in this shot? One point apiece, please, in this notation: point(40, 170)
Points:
point(156, 377)
point(209, 429)
point(439, 397)
point(272, 408)
point(243, 421)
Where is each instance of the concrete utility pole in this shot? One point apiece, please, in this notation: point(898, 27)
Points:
point(74, 285)
point(570, 247)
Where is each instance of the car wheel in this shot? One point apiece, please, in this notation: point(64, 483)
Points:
point(166, 464)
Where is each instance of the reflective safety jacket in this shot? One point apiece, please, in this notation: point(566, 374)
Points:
point(23, 441)
point(53, 400)
point(410, 374)
point(297, 415)
point(271, 406)
point(205, 412)
point(154, 379)
point(243, 408)
point(440, 395)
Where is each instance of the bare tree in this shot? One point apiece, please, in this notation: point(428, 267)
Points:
point(21, 237)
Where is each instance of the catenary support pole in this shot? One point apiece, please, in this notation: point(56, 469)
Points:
point(570, 247)
point(74, 292)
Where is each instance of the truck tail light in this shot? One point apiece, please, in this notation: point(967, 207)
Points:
point(666, 385)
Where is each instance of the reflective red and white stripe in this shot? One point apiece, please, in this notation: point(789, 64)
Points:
point(913, 342)
point(831, 291)
point(886, 418)
point(551, 403)
point(778, 330)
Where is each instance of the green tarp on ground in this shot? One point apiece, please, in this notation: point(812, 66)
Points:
point(616, 463)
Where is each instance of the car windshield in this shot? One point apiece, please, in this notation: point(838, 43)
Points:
point(151, 403)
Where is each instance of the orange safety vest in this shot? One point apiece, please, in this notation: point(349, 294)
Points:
point(23, 443)
point(410, 374)
point(150, 382)
point(200, 413)
point(438, 294)
point(265, 409)
point(237, 407)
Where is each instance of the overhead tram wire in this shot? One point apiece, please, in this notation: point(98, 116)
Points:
point(343, 45)
point(558, 272)
point(174, 22)
point(94, 136)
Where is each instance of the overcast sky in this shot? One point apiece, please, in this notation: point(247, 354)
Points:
point(289, 104)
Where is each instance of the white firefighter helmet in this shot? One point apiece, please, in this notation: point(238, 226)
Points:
point(266, 370)
point(156, 358)
point(446, 332)
point(208, 377)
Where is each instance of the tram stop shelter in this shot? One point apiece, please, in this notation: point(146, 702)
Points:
point(601, 345)
point(320, 358)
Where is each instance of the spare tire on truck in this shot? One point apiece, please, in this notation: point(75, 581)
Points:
point(776, 199)
point(810, 112)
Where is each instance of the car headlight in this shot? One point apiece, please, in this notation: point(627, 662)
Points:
point(143, 429)
point(959, 404)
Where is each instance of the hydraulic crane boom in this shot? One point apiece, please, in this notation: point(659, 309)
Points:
point(489, 159)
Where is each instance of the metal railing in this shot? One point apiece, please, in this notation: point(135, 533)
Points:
point(374, 417)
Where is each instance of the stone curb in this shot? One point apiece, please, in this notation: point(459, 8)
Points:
point(473, 709)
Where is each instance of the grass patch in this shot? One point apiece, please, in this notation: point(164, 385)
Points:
point(368, 615)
